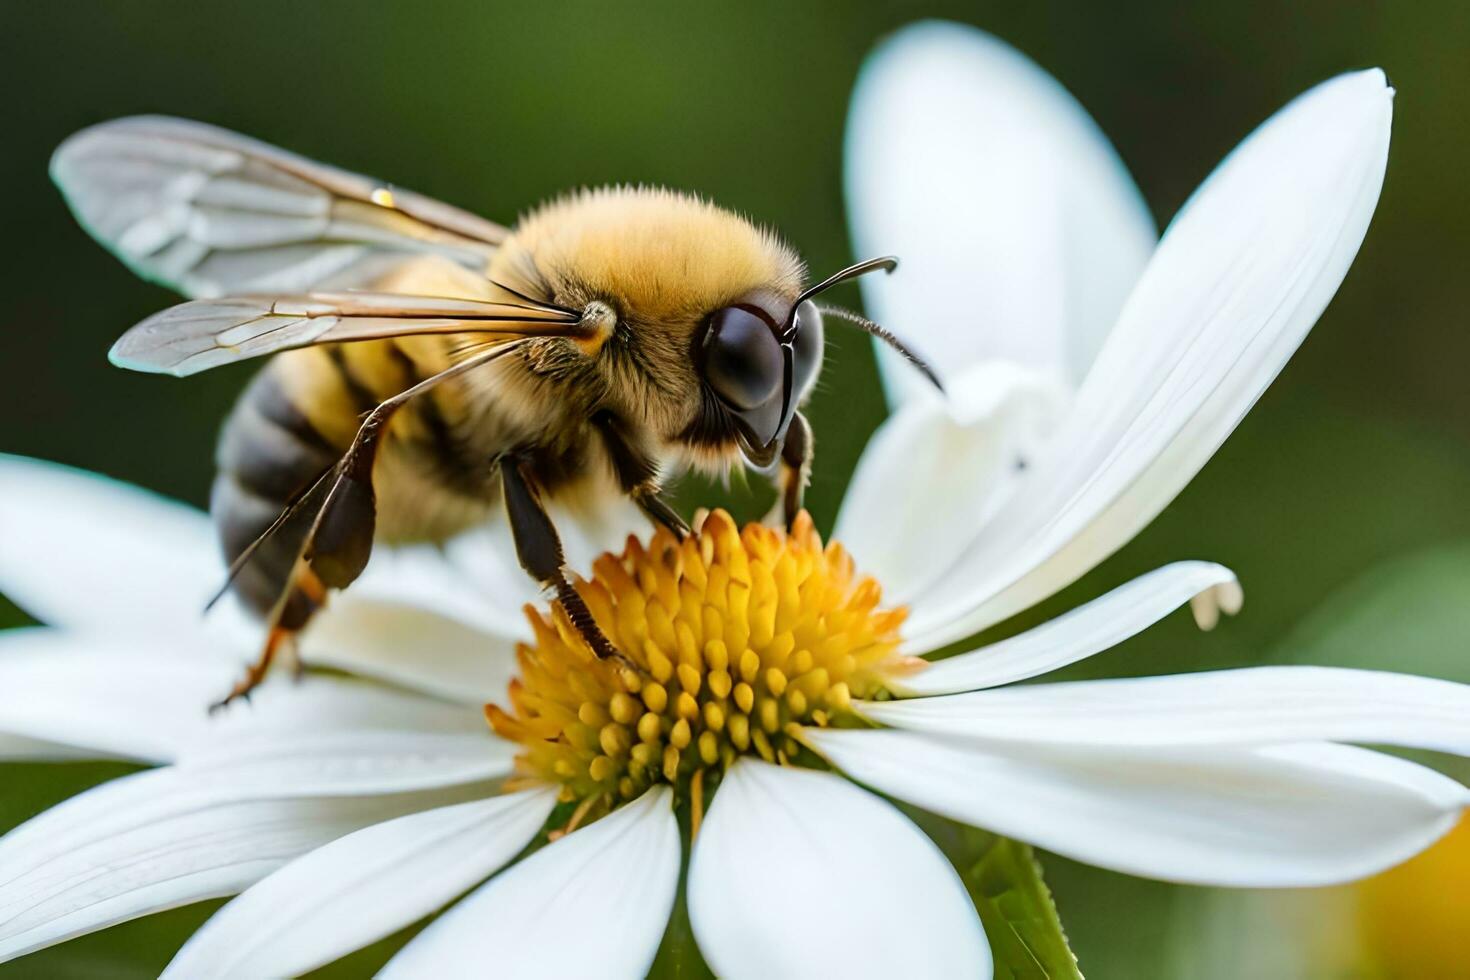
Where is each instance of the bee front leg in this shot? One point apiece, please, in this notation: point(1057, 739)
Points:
point(538, 547)
point(796, 467)
point(637, 476)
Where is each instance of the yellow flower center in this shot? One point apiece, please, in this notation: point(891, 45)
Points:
point(737, 639)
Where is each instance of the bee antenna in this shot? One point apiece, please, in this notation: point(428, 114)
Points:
point(887, 263)
point(540, 303)
point(883, 334)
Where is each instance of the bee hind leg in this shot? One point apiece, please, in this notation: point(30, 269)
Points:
point(333, 553)
point(277, 640)
point(298, 603)
point(340, 540)
point(539, 550)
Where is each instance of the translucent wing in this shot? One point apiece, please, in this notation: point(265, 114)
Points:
point(211, 213)
point(203, 334)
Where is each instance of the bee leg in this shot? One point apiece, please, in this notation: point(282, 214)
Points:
point(275, 640)
point(637, 476)
point(337, 546)
point(650, 500)
point(796, 467)
point(538, 547)
point(333, 554)
point(301, 598)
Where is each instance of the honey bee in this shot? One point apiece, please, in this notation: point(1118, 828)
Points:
point(431, 366)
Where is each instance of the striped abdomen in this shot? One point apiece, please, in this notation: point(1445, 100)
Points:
point(296, 419)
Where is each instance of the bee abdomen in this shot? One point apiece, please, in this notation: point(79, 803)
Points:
point(269, 454)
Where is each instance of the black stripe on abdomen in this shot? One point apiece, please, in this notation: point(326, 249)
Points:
point(269, 454)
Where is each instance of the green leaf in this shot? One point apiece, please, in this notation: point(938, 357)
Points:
point(1004, 880)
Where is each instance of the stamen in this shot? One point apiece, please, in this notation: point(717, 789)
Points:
point(696, 803)
point(736, 639)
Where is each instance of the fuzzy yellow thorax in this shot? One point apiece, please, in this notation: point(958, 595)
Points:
point(738, 637)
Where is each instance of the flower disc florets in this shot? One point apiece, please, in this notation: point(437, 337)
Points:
point(736, 639)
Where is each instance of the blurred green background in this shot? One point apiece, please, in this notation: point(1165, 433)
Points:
point(1349, 479)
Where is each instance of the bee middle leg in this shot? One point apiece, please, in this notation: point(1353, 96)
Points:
point(796, 467)
point(538, 547)
point(637, 476)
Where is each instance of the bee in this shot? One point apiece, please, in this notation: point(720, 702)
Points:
point(430, 368)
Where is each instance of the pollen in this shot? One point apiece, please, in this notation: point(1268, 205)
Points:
point(736, 640)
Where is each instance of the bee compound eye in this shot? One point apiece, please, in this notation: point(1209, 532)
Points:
point(742, 359)
point(808, 347)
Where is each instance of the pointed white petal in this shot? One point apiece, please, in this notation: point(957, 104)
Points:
point(938, 469)
point(360, 888)
point(1238, 280)
point(593, 904)
point(1092, 628)
point(1250, 706)
point(889, 904)
point(105, 697)
point(1019, 228)
point(1283, 816)
point(156, 840)
point(81, 550)
point(411, 646)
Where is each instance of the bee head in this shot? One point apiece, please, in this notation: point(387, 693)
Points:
point(707, 340)
point(759, 361)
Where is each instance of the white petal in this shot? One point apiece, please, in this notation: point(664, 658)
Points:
point(591, 527)
point(323, 703)
point(588, 528)
point(345, 763)
point(360, 888)
point(1250, 706)
point(459, 605)
point(1238, 280)
point(1019, 228)
point(938, 469)
point(593, 904)
point(1283, 816)
point(436, 581)
point(316, 766)
point(154, 841)
point(22, 748)
point(84, 551)
point(411, 646)
point(798, 873)
point(1092, 628)
point(105, 696)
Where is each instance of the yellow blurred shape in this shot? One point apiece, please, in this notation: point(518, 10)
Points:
point(1414, 920)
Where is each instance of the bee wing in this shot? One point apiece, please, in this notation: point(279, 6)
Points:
point(207, 333)
point(211, 213)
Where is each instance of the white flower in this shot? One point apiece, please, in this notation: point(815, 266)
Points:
point(346, 809)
